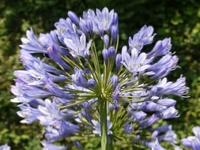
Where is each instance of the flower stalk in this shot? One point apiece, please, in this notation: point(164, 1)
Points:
point(103, 122)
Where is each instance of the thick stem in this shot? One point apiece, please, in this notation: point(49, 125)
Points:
point(103, 121)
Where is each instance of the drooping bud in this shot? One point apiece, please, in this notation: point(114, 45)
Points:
point(106, 40)
point(91, 83)
point(108, 53)
point(128, 128)
point(73, 17)
point(167, 102)
point(114, 33)
point(118, 61)
point(114, 79)
point(115, 19)
point(162, 47)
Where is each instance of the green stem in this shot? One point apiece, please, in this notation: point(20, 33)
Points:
point(103, 121)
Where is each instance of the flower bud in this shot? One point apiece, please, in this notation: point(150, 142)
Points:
point(108, 53)
point(73, 17)
point(114, 33)
point(106, 40)
point(115, 19)
point(118, 61)
point(114, 79)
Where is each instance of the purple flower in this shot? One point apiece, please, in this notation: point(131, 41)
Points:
point(161, 109)
point(149, 121)
point(65, 28)
point(78, 45)
point(167, 102)
point(160, 130)
point(54, 89)
point(138, 115)
point(22, 89)
point(49, 112)
point(79, 79)
point(165, 88)
point(168, 63)
point(28, 113)
point(31, 44)
point(55, 121)
point(53, 54)
point(60, 129)
point(151, 107)
point(135, 63)
point(161, 48)
point(193, 142)
point(31, 62)
point(143, 37)
point(102, 21)
point(171, 112)
point(128, 128)
point(165, 133)
point(51, 39)
point(86, 25)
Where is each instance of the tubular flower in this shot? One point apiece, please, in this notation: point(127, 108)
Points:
point(77, 83)
point(193, 142)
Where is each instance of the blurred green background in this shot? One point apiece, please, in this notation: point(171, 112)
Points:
point(177, 19)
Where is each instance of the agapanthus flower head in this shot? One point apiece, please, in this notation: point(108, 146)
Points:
point(76, 82)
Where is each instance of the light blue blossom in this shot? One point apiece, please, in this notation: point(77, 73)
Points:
point(78, 45)
point(31, 44)
point(143, 37)
point(29, 113)
point(102, 21)
point(168, 63)
point(163, 87)
point(162, 47)
point(193, 142)
point(135, 63)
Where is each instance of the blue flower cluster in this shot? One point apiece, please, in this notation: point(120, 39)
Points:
point(71, 70)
